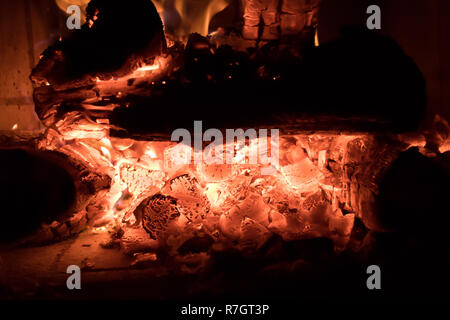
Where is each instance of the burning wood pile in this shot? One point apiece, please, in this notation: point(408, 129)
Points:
point(112, 93)
point(120, 79)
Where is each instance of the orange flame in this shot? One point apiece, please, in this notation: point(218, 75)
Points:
point(197, 14)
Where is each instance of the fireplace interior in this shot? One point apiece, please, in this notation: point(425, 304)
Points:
point(360, 179)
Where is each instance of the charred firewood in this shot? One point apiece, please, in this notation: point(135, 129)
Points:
point(297, 16)
point(413, 194)
point(116, 37)
point(46, 97)
point(256, 89)
point(183, 197)
point(157, 213)
point(45, 189)
point(271, 19)
point(184, 184)
point(230, 19)
point(196, 244)
point(34, 190)
point(324, 90)
point(265, 12)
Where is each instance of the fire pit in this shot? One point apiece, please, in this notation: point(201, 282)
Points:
point(308, 189)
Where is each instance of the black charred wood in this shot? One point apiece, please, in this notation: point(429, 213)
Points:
point(157, 212)
point(40, 192)
point(361, 82)
point(414, 193)
point(196, 244)
point(122, 35)
point(33, 190)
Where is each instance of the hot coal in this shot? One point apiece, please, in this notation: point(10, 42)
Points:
point(157, 214)
point(230, 225)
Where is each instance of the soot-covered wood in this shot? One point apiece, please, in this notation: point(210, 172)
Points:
point(33, 190)
point(359, 82)
point(122, 35)
point(272, 19)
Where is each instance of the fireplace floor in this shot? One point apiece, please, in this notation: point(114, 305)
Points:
point(40, 273)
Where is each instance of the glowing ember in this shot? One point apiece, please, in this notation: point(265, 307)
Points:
point(151, 153)
point(148, 68)
point(303, 199)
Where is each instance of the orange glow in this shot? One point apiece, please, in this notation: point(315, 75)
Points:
point(236, 194)
point(140, 72)
point(151, 153)
point(106, 153)
point(148, 68)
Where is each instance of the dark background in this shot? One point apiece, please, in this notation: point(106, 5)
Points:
point(421, 28)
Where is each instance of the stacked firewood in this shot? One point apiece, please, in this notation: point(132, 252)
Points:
point(272, 19)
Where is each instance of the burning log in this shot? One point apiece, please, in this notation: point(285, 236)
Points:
point(257, 12)
point(34, 190)
point(324, 180)
point(272, 19)
point(115, 39)
point(57, 190)
point(160, 212)
point(259, 88)
point(414, 188)
point(298, 15)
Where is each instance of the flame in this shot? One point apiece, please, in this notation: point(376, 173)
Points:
point(316, 38)
point(15, 126)
point(197, 14)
